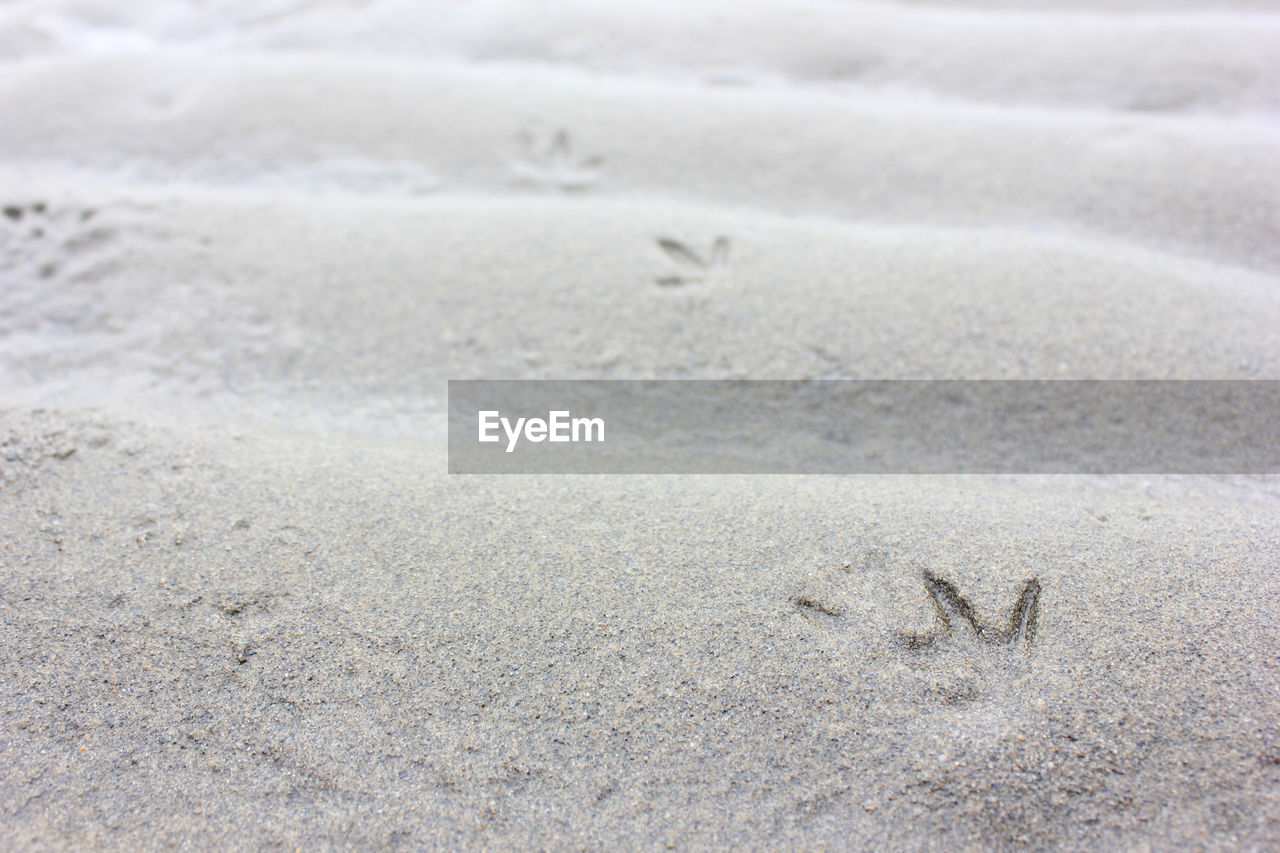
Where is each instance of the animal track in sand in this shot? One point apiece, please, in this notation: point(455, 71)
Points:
point(967, 659)
point(550, 162)
point(697, 269)
point(809, 604)
point(40, 242)
point(957, 615)
point(38, 238)
point(85, 287)
point(964, 658)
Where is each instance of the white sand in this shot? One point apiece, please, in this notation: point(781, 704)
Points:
point(244, 245)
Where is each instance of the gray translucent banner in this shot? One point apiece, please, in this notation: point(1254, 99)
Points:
point(863, 427)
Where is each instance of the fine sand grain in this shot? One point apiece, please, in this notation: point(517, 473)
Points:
point(243, 246)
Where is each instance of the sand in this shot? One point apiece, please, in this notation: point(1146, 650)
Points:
point(243, 247)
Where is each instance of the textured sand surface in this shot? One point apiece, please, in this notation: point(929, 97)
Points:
point(243, 245)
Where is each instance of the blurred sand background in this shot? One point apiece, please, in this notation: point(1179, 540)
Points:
point(244, 244)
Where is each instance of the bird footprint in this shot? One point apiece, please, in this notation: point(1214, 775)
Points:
point(550, 162)
point(698, 269)
point(970, 659)
point(957, 615)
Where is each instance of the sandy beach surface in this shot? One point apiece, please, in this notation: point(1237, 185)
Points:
point(243, 246)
